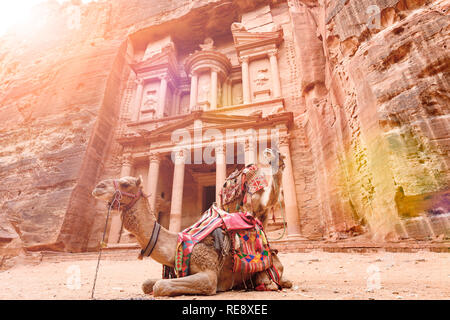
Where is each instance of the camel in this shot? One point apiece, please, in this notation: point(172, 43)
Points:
point(208, 273)
point(261, 202)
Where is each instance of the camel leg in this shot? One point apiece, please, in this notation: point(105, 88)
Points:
point(285, 283)
point(204, 283)
point(147, 286)
point(263, 278)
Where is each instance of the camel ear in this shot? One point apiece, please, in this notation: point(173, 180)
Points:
point(268, 154)
point(139, 181)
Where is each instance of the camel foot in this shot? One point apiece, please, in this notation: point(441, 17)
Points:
point(286, 283)
point(204, 283)
point(147, 286)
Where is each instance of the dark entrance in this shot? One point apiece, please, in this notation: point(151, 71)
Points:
point(209, 196)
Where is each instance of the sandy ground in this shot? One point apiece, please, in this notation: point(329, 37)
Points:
point(316, 275)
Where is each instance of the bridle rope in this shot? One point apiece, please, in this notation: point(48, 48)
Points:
point(281, 207)
point(115, 203)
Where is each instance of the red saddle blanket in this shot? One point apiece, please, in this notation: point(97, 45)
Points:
point(251, 251)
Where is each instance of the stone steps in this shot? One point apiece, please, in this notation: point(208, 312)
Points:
point(359, 247)
point(124, 252)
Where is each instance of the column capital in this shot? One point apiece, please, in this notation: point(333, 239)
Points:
point(193, 73)
point(220, 148)
point(139, 81)
point(243, 59)
point(163, 77)
point(215, 69)
point(127, 159)
point(272, 52)
point(154, 157)
point(181, 154)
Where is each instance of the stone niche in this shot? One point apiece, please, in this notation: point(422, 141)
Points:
point(257, 52)
point(236, 90)
point(150, 100)
point(209, 70)
point(260, 80)
point(157, 80)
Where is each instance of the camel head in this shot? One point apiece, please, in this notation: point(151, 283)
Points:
point(128, 187)
point(274, 159)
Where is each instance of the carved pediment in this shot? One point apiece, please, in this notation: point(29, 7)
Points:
point(163, 131)
point(207, 120)
point(244, 40)
point(165, 59)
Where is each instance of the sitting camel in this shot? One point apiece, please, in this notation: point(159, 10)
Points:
point(261, 202)
point(208, 273)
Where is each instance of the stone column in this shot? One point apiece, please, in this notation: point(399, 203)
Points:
point(152, 179)
point(177, 191)
point(194, 92)
point(116, 222)
point(250, 151)
point(136, 107)
point(221, 170)
point(245, 80)
point(290, 197)
point(162, 97)
point(230, 93)
point(275, 73)
point(213, 89)
point(127, 165)
point(225, 94)
point(176, 103)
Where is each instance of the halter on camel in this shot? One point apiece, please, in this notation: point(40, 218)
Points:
point(116, 204)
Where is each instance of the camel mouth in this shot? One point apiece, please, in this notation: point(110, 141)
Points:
point(98, 193)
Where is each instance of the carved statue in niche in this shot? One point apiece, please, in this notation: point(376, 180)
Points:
point(237, 97)
point(219, 94)
point(204, 92)
point(150, 102)
point(262, 79)
point(208, 44)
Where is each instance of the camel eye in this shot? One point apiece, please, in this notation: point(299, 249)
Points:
point(125, 184)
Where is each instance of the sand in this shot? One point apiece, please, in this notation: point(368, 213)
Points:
point(316, 275)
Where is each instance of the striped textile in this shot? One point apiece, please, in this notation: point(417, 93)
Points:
point(190, 236)
point(251, 249)
point(252, 252)
point(239, 183)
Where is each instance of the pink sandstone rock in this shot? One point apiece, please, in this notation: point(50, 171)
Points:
point(370, 147)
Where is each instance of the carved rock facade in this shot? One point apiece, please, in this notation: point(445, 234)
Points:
point(362, 84)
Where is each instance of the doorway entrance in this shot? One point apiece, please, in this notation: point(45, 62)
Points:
point(209, 197)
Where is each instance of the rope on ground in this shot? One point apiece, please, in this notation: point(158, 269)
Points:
point(282, 211)
point(117, 197)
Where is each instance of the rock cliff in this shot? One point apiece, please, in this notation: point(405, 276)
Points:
point(367, 82)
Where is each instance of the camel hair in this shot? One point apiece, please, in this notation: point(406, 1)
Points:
point(208, 272)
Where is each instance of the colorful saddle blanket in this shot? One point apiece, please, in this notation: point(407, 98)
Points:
point(251, 251)
point(240, 181)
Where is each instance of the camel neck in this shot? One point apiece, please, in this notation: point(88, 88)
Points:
point(139, 220)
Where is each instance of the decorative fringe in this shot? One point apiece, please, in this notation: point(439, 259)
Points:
point(168, 272)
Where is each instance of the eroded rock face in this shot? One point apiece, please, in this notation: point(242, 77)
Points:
point(377, 115)
point(63, 82)
point(367, 82)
